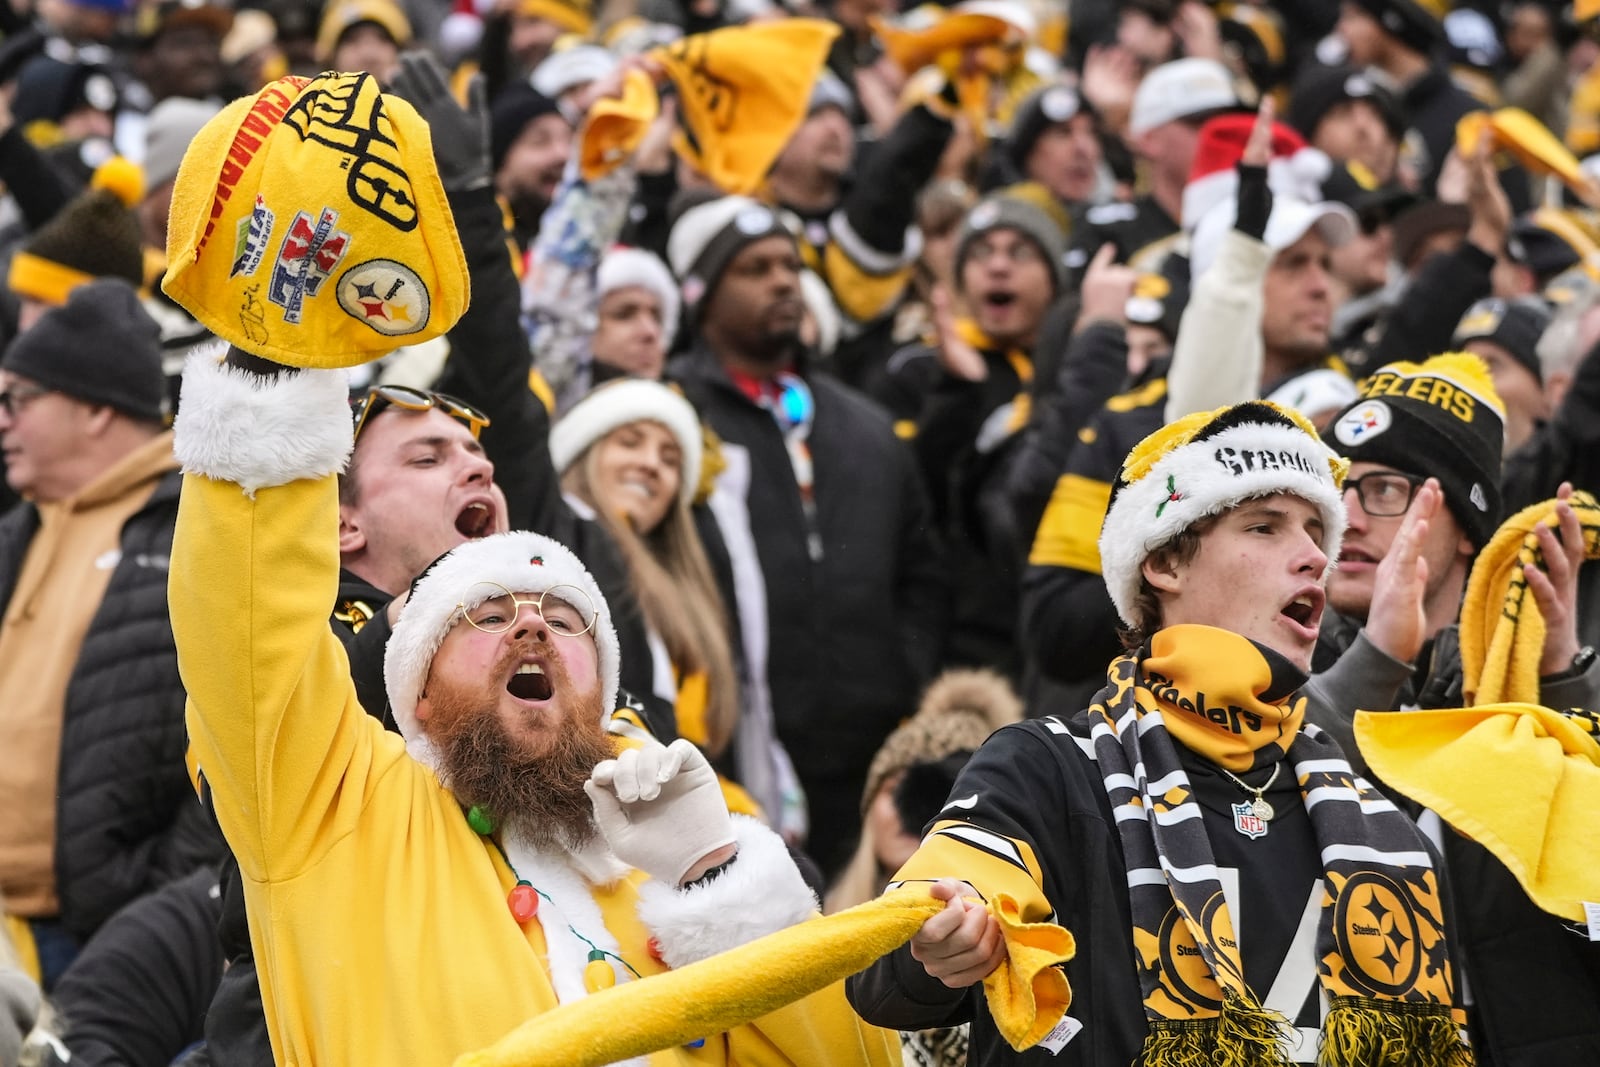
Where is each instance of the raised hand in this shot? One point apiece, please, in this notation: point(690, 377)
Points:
point(1555, 587)
point(1397, 621)
point(460, 134)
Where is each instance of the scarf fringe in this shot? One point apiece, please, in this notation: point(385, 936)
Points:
point(1244, 1034)
point(1359, 1032)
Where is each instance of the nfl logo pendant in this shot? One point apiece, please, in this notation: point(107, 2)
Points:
point(1247, 822)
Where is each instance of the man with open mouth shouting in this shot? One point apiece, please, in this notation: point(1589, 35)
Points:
point(416, 897)
point(1237, 893)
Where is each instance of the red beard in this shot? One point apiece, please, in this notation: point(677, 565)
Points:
point(539, 794)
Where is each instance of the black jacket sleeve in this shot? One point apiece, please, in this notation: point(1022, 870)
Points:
point(1425, 318)
point(139, 991)
point(1090, 373)
point(882, 204)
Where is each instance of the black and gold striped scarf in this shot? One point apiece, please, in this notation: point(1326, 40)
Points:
point(1381, 949)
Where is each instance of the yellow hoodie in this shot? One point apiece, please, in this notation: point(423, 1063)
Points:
point(378, 916)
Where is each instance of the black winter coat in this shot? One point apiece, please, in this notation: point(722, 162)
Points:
point(853, 636)
point(127, 819)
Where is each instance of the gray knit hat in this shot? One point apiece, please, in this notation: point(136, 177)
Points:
point(101, 347)
point(1011, 209)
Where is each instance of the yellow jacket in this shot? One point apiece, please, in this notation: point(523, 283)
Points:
point(378, 916)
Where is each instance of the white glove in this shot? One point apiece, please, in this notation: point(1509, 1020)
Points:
point(660, 809)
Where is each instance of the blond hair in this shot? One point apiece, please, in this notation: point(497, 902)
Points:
point(671, 576)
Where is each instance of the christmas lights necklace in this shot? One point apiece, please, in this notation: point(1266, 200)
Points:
point(523, 900)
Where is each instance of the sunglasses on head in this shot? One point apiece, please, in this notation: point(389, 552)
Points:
point(409, 399)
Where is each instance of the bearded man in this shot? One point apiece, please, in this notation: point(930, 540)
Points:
point(414, 898)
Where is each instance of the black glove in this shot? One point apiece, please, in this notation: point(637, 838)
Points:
point(460, 135)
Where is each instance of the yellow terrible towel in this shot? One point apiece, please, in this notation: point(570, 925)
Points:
point(1521, 780)
point(1027, 994)
point(309, 225)
point(1529, 141)
point(742, 91)
point(1502, 629)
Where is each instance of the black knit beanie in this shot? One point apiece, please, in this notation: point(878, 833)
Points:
point(1050, 106)
point(95, 234)
point(101, 347)
point(1515, 325)
point(516, 106)
point(1438, 419)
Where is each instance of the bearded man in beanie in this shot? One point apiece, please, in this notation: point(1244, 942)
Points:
point(819, 509)
point(98, 807)
point(530, 141)
point(1212, 852)
point(1424, 499)
point(1425, 441)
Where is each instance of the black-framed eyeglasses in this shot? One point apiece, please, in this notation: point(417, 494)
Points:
point(409, 399)
point(1385, 494)
point(17, 397)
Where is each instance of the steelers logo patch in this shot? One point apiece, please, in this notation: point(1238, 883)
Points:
point(1363, 422)
point(1377, 935)
point(753, 220)
point(386, 295)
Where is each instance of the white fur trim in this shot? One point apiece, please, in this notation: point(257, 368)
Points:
point(430, 613)
point(622, 267)
point(234, 426)
point(1212, 476)
point(618, 403)
point(760, 893)
point(566, 903)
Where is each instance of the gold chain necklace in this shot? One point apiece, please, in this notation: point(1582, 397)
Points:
point(1258, 807)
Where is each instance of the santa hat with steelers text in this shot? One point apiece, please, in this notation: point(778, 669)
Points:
point(1441, 419)
point(525, 564)
point(1204, 464)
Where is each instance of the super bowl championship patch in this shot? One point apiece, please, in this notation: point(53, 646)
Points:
point(309, 225)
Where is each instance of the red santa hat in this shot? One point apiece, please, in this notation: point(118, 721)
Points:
point(462, 29)
point(1296, 169)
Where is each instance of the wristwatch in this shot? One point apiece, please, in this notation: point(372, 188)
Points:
point(1581, 662)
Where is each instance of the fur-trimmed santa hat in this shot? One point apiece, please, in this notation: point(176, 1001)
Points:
point(1202, 465)
point(1296, 169)
point(524, 563)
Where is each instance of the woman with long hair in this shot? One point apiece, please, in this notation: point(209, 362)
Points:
point(629, 455)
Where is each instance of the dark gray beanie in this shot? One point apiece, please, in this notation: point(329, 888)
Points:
point(101, 346)
point(1013, 208)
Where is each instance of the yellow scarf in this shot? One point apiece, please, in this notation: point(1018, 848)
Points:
point(1502, 630)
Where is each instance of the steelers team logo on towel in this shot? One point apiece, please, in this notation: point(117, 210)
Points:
point(386, 295)
point(1363, 422)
